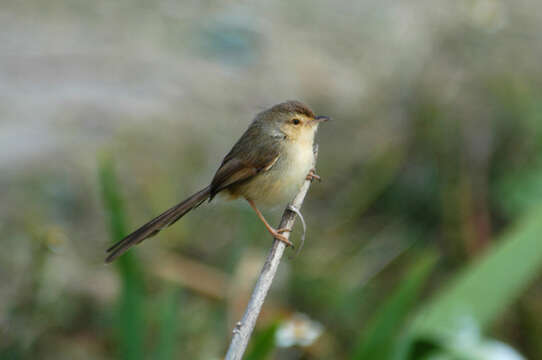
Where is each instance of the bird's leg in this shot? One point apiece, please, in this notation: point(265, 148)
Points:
point(276, 233)
point(312, 175)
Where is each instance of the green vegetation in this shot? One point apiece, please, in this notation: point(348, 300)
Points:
point(423, 238)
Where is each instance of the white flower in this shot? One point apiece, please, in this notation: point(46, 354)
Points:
point(298, 330)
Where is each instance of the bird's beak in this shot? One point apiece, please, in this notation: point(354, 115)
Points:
point(322, 118)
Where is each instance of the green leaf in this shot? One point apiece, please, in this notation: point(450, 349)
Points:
point(169, 326)
point(384, 325)
point(130, 307)
point(263, 343)
point(520, 191)
point(484, 290)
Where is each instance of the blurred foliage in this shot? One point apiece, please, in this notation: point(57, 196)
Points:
point(484, 290)
point(435, 153)
point(382, 330)
point(169, 327)
point(263, 343)
point(130, 323)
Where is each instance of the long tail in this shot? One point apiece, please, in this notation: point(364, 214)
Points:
point(157, 224)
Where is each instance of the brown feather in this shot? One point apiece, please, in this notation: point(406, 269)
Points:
point(157, 224)
point(257, 151)
point(240, 165)
point(293, 107)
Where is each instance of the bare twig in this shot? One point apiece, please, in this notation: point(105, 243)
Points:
point(243, 329)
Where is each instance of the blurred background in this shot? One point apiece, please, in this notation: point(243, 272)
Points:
point(423, 238)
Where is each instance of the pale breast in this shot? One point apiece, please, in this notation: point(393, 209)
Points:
point(280, 183)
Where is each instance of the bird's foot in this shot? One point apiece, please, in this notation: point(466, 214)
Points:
point(277, 235)
point(313, 176)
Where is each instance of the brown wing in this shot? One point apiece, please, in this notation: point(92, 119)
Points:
point(253, 153)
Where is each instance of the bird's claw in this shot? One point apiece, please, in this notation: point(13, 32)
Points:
point(277, 235)
point(313, 176)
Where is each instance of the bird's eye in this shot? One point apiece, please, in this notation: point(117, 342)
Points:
point(295, 121)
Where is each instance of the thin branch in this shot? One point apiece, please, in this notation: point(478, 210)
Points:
point(244, 328)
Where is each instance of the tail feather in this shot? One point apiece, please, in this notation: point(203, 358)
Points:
point(157, 224)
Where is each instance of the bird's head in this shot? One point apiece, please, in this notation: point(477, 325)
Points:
point(293, 119)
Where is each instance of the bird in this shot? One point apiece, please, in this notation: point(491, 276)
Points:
point(266, 167)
